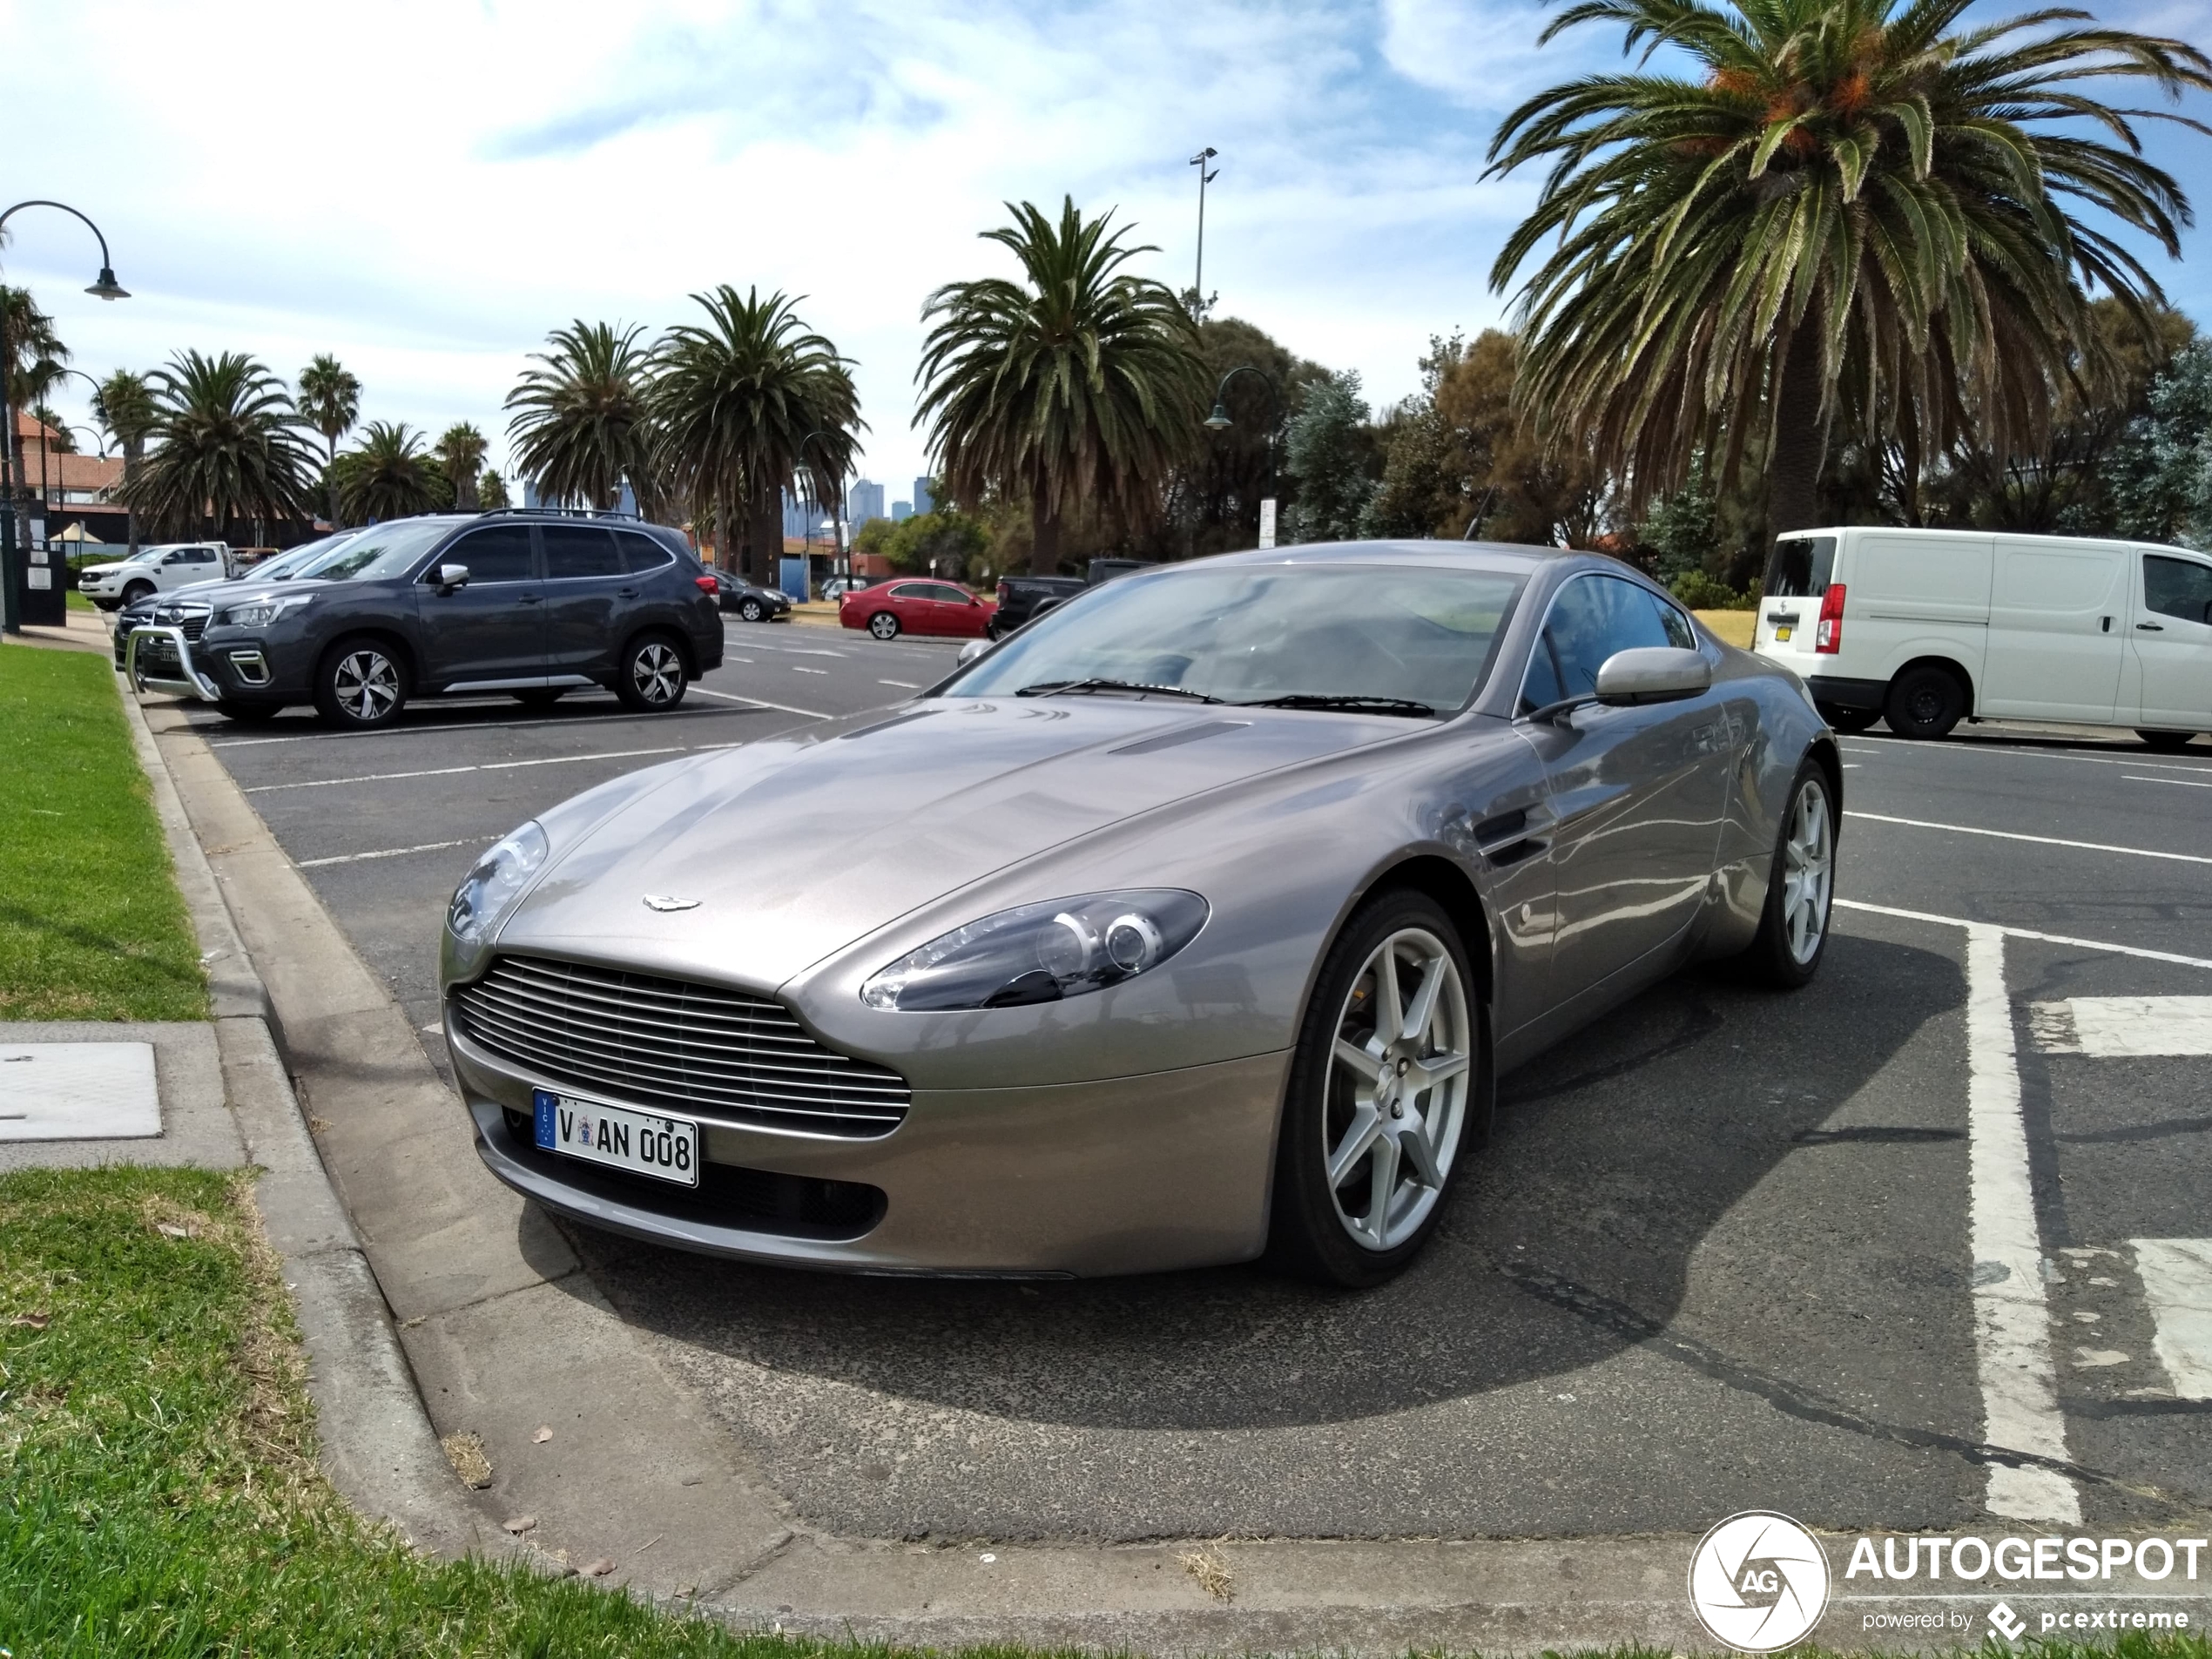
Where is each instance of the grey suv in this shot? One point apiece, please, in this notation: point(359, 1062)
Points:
point(533, 605)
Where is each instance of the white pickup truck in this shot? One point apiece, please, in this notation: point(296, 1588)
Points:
point(156, 569)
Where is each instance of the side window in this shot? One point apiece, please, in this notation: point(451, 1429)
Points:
point(2180, 587)
point(949, 595)
point(574, 550)
point(1593, 617)
point(911, 590)
point(501, 553)
point(199, 555)
point(642, 553)
point(1679, 632)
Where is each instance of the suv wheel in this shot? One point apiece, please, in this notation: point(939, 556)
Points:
point(651, 677)
point(362, 683)
point(884, 626)
point(1925, 702)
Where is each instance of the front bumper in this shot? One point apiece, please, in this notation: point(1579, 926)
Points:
point(1133, 1175)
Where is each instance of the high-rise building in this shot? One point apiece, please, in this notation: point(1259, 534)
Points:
point(901, 511)
point(863, 501)
point(924, 501)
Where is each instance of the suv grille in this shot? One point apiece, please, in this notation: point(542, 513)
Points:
point(191, 619)
point(698, 1049)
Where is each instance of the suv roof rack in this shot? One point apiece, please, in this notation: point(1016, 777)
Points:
point(559, 512)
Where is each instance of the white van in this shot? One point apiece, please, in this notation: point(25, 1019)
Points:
point(1924, 628)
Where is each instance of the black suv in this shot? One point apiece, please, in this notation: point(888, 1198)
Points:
point(531, 603)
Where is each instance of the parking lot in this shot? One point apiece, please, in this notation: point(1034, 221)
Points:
point(1727, 1250)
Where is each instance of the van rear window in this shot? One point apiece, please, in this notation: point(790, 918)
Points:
point(1799, 567)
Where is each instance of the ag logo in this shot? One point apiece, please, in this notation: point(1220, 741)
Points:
point(1759, 1581)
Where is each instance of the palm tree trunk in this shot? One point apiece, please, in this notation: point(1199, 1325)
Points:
point(1045, 534)
point(1800, 437)
point(767, 536)
point(330, 476)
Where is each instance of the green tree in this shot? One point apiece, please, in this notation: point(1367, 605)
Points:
point(491, 492)
point(389, 475)
point(944, 542)
point(1212, 499)
point(461, 453)
point(124, 405)
point(580, 425)
point(330, 401)
point(1683, 527)
point(747, 405)
point(32, 364)
point(1079, 387)
point(2160, 472)
point(1331, 451)
point(1847, 212)
point(227, 444)
point(59, 440)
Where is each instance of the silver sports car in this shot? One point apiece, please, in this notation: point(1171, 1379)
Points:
point(1191, 923)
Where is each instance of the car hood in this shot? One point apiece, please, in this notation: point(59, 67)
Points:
point(789, 849)
point(110, 568)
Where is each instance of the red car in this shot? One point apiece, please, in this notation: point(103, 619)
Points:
point(916, 605)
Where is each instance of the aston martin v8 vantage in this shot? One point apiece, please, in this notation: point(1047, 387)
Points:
point(1192, 923)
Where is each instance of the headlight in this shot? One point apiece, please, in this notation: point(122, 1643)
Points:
point(487, 892)
point(1040, 953)
point(259, 613)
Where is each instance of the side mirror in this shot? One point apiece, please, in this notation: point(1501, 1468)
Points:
point(971, 651)
point(451, 577)
point(1652, 674)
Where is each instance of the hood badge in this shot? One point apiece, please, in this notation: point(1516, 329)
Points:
point(669, 901)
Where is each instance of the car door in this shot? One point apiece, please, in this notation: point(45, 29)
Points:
point(188, 564)
point(2172, 641)
point(955, 610)
point(489, 634)
point(911, 603)
point(2055, 639)
point(586, 588)
point(1637, 794)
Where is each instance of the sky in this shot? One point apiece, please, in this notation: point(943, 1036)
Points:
point(426, 189)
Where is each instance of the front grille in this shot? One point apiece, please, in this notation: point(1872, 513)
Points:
point(190, 620)
point(697, 1050)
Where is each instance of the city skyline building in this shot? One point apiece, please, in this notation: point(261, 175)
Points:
point(863, 501)
point(924, 501)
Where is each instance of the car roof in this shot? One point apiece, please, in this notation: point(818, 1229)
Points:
point(1505, 557)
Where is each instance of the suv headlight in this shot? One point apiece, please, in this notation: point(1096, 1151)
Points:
point(259, 613)
point(1041, 953)
point(489, 891)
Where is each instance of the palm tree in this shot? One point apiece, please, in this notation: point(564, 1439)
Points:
point(1849, 211)
point(1081, 390)
point(227, 444)
point(491, 491)
point(461, 451)
point(330, 399)
point(32, 363)
point(581, 425)
point(388, 475)
point(124, 405)
point(745, 405)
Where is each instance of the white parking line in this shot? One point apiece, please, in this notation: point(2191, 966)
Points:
point(2185, 783)
point(1895, 751)
point(388, 852)
point(2176, 1276)
point(2124, 1027)
point(2011, 1322)
point(449, 729)
point(763, 702)
point(904, 685)
point(2026, 932)
point(797, 668)
point(490, 765)
point(2041, 840)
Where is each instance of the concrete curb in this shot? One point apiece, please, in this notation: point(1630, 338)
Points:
point(376, 1441)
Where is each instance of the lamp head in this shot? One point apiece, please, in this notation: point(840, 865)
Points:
point(1218, 420)
point(107, 287)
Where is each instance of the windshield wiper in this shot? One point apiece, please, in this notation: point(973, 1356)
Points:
point(1053, 688)
point(1350, 702)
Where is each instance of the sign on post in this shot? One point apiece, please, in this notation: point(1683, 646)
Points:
point(1267, 522)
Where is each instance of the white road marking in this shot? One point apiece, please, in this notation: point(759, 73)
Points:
point(492, 766)
point(2176, 1275)
point(2124, 1027)
point(904, 685)
point(2026, 932)
point(798, 669)
point(449, 729)
point(391, 853)
point(2012, 1323)
point(1894, 751)
point(2041, 840)
point(2185, 783)
point(763, 702)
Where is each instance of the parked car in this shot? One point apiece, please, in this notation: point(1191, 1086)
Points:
point(1021, 597)
point(148, 610)
point(530, 603)
point(1926, 628)
point(1197, 920)
point(838, 586)
point(741, 598)
point(155, 570)
point(916, 605)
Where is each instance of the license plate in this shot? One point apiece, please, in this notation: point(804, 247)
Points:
point(666, 1148)
point(1781, 633)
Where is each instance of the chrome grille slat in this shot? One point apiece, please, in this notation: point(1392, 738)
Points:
point(694, 1049)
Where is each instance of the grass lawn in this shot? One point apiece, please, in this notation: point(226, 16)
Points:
point(1733, 626)
point(91, 927)
point(76, 601)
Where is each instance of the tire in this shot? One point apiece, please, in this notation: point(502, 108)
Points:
point(540, 696)
point(750, 610)
point(651, 676)
point(249, 714)
point(1850, 722)
point(361, 684)
point(1925, 702)
point(109, 606)
point(1801, 888)
point(137, 591)
point(1321, 1230)
point(884, 626)
point(2166, 743)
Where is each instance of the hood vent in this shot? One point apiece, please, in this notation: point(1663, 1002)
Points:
point(1175, 740)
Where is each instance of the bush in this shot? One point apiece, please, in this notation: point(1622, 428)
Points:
point(1703, 592)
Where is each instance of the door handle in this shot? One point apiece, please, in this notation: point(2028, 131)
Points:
point(2152, 627)
point(2105, 626)
point(625, 593)
point(529, 598)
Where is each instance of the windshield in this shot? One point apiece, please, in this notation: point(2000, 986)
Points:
point(286, 565)
point(1246, 634)
point(381, 552)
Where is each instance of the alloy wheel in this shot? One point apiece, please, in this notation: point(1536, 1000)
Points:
point(884, 626)
point(1398, 1089)
point(1809, 872)
point(750, 610)
point(656, 671)
point(366, 685)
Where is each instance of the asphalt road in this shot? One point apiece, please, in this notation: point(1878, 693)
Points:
point(1726, 1250)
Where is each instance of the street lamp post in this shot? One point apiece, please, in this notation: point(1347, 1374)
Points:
point(106, 287)
point(841, 555)
point(1206, 177)
point(1220, 421)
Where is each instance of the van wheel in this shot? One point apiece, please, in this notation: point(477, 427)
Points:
point(2166, 743)
point(1925, 702)
point(1850, 722)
